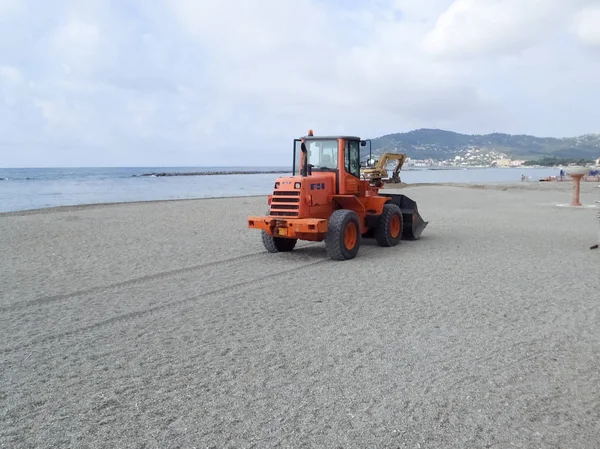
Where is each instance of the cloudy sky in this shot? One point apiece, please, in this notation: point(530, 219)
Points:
point(232, 82)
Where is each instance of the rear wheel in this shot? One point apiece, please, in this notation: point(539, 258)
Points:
point(343, 235)
point(278, 244)
point(389, 230)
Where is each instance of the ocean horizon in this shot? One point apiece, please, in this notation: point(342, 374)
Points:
point(35, 188)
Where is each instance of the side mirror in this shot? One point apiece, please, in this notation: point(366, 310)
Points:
point(303, 147)
point(363, 143)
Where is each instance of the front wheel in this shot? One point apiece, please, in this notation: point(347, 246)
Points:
point(389, 230)
point(278, 244)
point(343, 235)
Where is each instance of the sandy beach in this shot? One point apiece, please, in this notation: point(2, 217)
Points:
point(167, 325)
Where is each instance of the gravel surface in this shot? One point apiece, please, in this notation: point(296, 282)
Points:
point(167, 325)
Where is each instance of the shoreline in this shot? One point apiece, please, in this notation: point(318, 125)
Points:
point(500, 185)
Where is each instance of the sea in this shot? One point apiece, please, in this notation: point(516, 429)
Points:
point(34, 188)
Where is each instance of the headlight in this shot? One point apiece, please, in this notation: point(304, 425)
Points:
point(277, 185)
point(297, 185)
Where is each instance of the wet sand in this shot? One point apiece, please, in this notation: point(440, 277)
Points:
point(166, 324)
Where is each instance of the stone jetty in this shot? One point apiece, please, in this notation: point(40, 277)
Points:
point(209, 173)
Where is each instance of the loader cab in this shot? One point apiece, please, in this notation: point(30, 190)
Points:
point(331, 154)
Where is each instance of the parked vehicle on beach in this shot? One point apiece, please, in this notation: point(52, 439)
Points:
point(326, 199)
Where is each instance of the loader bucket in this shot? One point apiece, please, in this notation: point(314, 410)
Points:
point(413, 223)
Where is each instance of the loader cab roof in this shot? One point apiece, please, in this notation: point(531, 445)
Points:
point(330, 137)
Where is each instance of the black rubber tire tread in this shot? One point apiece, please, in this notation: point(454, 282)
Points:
point(334, 239)
point(278, 244)
point(383, 235)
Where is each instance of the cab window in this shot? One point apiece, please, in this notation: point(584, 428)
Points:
point(352, 157)
point(323, 154)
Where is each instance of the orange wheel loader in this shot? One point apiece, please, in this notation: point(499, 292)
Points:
point(325, 199)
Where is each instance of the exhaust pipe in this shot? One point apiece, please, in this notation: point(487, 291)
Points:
point(304, 170)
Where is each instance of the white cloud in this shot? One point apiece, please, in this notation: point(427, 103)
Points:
point(9, 6)
point(586, 25)
point(324, 69)
point(188, 82)
point(77, 43)
point(475, 28)
point(10, 76)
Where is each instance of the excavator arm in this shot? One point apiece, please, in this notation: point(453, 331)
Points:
point(378, 172)
point(386, 158)
point(399, 164)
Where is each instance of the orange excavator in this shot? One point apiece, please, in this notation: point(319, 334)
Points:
point(325, 199)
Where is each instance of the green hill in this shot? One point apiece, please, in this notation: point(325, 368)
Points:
point(444, 145)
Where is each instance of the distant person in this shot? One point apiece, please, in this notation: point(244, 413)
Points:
point(523, 178)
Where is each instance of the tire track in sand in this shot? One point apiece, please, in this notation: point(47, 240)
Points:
point(134, 314)
point(131, 282)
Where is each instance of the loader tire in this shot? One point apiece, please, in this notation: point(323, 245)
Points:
point(343, 235)
point(389, 230)
point(278, 244)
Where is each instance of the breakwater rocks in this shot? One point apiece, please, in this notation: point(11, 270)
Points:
point(209, 173)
